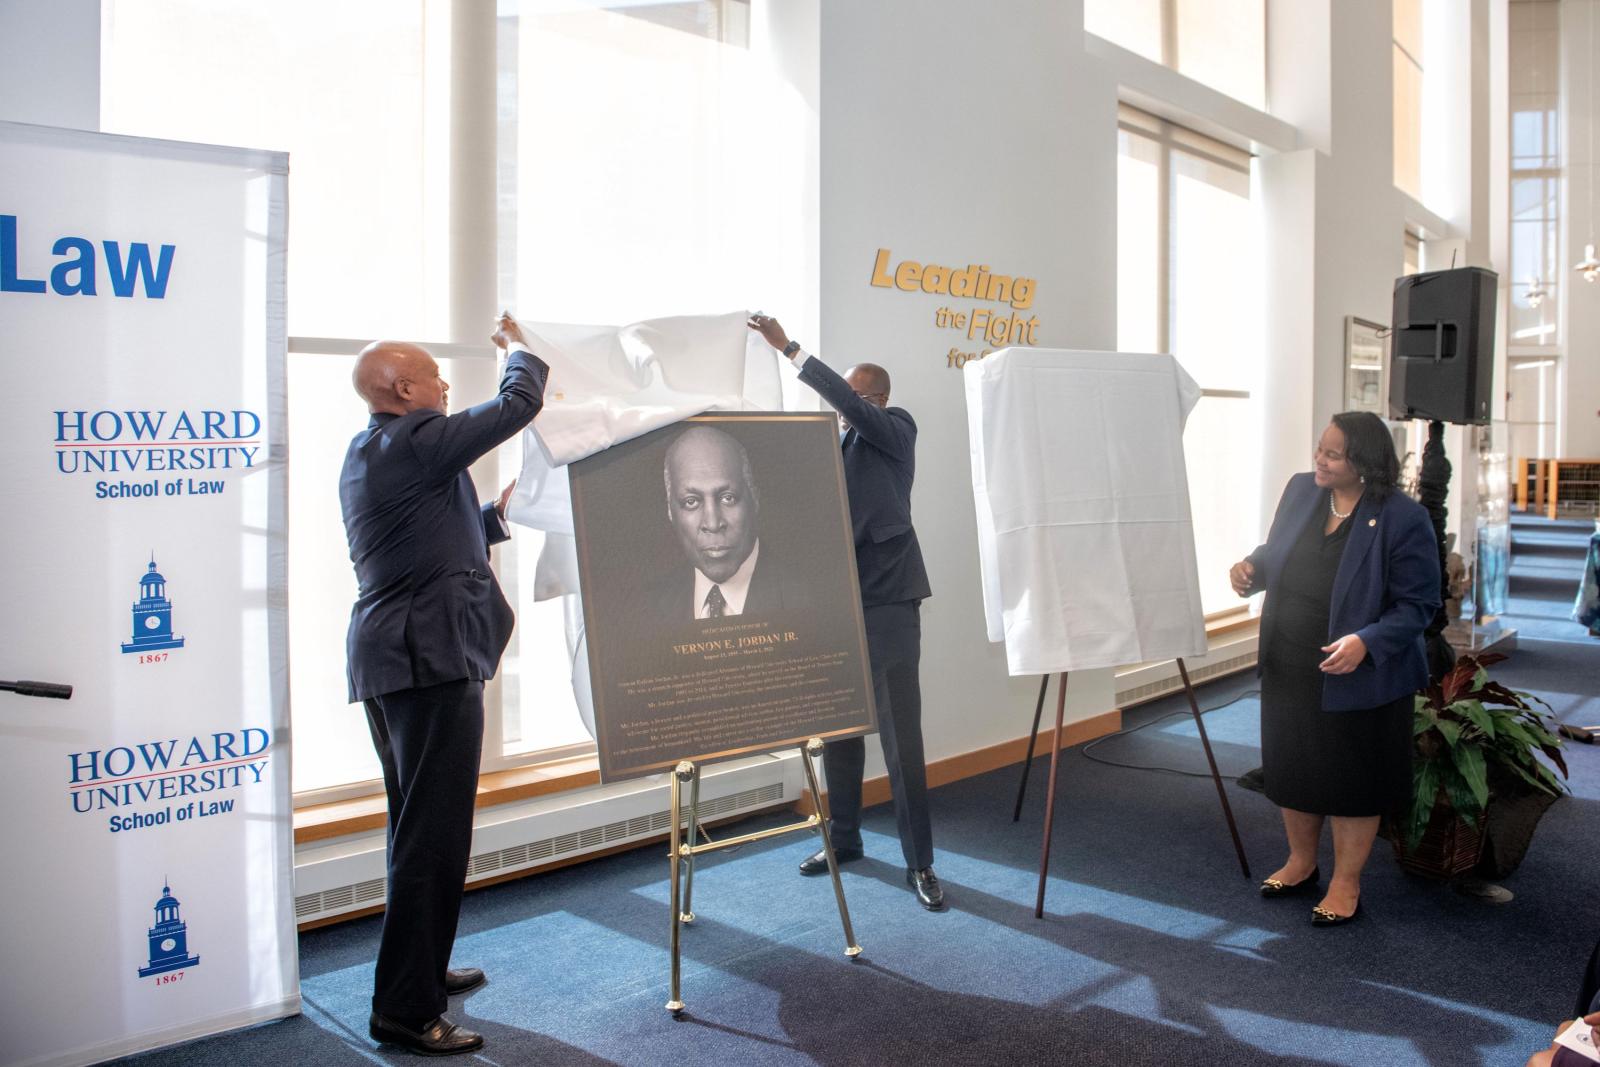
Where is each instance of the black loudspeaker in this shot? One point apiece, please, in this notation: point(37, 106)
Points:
point(1442, 347)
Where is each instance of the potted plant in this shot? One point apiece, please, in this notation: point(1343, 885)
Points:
point(1478, 784)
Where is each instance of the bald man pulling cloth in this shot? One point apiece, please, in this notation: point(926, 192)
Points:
point(427, 629)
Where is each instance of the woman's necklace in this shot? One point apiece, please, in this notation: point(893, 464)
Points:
point(1336, 512)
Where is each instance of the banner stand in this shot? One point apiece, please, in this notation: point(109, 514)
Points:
point(680, 858)
point(1055, 756)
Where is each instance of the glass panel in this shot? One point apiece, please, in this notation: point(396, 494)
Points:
point(1532, 407)
point(1407, 124)
point(635, 181)
point(1408, 26)
point(1222, 446)
point(340, 87)
point(538, 709)
point(1213, 265)
point(1138, 244)
point(331, 743)
point(1215, 335)
point(1133, 24)
point(1223, 43)
point(1534, 52)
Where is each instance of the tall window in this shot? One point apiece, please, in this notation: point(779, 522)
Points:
point(625, 191)
point(1408, 96)
point(1188, 283)
point(1536, 177)
point(1537, 187)
point(1220, 43)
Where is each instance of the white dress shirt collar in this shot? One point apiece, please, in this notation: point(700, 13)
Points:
point(734, 590)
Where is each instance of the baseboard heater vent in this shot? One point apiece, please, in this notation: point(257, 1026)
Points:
point(366, 893)
point(1127, 698)
point(620, 832)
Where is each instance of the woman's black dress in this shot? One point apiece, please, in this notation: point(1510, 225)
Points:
point(1352, 763)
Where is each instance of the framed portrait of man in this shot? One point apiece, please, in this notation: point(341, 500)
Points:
point(719, 591)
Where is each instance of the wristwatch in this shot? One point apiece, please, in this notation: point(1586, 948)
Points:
point(791, 348)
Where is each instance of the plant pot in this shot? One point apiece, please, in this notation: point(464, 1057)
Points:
point(1448, 847)
point(1508, 825)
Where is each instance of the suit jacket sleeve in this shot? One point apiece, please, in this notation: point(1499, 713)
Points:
point(1411, 588)
point(1258, 558)
point(495, 529)
point(449, 444)
point(890, 430)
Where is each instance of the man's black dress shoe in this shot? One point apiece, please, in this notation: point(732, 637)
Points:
point(437, 1037)
point(462, 980)
point(1274, 888)
point(926, 883)
point(817, 862)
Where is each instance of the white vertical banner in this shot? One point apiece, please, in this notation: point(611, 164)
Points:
point(149, 882)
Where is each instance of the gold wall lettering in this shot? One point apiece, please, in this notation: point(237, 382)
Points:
point(991, 328)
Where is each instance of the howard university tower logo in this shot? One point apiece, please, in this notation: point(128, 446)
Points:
point(152, 615)
point(169, 948)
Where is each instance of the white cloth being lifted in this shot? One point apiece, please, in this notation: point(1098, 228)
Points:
point(1084, 532)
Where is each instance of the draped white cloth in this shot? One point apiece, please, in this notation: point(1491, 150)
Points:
point(610, 384)
point(1085, 539)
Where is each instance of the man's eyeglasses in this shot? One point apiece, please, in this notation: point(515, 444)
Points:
point(873, 396)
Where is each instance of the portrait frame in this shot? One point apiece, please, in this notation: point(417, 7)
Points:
point(1366, 366)
point(784, 659)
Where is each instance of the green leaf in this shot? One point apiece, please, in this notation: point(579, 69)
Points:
point(1554, 752)
point(1469, 761)
point(1425, 788)
point(1463, 800)
point(1450, 731)
point(1517, 732)
point(1480, 718)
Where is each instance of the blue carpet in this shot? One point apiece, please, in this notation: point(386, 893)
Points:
point(1153, 950)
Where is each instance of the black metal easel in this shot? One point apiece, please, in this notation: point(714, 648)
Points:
point(1055, 757)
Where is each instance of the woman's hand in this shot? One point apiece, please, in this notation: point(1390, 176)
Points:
point(1345, 655)
point(1243, 576)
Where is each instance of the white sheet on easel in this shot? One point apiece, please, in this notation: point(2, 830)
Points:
point(1085, 540)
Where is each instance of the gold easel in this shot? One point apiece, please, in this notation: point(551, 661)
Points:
point(681, 857)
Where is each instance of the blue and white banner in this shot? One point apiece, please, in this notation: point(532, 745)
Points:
point(149, 883)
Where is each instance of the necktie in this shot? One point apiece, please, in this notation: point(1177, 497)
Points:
point(716, 603)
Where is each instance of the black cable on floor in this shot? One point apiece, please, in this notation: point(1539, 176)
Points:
point(1086, 753)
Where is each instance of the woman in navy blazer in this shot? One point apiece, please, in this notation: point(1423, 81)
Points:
point(1351, 572)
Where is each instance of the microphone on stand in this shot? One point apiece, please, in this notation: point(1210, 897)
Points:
point(38, 689)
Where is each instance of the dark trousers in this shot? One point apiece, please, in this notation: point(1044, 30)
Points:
point(429, 741)
point(894, 644)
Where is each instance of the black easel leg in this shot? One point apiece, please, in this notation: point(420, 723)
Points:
point(1205, 742)
point(1033, 735)
point(1050, 797)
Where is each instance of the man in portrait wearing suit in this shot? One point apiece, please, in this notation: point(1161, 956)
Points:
point(427, 629)
point(714, 506)
point(879, 452)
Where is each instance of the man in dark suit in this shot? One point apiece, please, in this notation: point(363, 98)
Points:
point(427, 629)
point(879, 450)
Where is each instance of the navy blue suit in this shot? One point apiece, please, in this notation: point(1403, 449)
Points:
point(880, 463)
point(427, 629)
point(1386, 589)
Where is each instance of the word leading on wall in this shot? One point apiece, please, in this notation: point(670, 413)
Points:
point(993, 327)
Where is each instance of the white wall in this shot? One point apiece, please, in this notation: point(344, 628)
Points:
point(50, 62)
point(960, 133)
